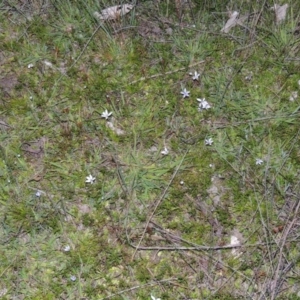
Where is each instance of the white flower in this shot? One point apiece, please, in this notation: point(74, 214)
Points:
point(185, 93)
point(259, 161)
point(90, 179)
point(153, 298)
point(106, 114)
point(67, 248)
point(165, 151)
point(208, 142)
point(38, 193)
point(73, 278)
point(181, 182)
point(195, 75)
point(203, 104)
point(30, 66)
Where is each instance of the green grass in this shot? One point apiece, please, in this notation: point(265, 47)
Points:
point(176, 208)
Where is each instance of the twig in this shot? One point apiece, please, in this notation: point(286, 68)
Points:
point(138, 287)
point(77, 59)
point(120, 176)
point(223, 125)
point(277, 279)
point(122, 29)
point(202, 248)
point(158, 203)
point(193, 246)
point(85, 46)
point(167, 73)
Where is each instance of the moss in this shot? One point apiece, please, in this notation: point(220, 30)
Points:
point(139, 79)
point(143, 274)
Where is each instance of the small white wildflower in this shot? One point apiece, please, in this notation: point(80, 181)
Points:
point(203, 104)
point(90, 179)
point(30, 97)
point(165, 151)
point(153, 298)
point(30, 66)
point(211, 165)
point(259, 161)
point(106, 114)
point(38, 193)
point(67, 248)
point(185, 93)
point(195, 75)
point(73, 278)
point(181, 182)
point(209, 142)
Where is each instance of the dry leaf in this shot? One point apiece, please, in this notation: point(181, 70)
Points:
point(113, 12)
point(280, 12)
point(234, 241)
point(35, 147)
point(231, 22)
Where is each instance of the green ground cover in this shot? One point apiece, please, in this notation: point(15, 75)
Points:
point(151, 156)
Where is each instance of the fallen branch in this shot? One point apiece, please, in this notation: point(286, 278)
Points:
point(193, 247)
point(159, 202)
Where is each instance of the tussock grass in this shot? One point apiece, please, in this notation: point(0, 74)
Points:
point(150, 224)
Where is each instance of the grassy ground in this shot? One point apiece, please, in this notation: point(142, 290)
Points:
point(180, 202)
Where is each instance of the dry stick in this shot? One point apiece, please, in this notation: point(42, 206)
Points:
point(195, 247)
point(167, 73)
point(140, 286)
point(158, 203)
point(77, 59)
point(120, 176)
point(277, 278)
point(203, 248)
point(82, 51)
point(85, 46)
point(283, 243)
